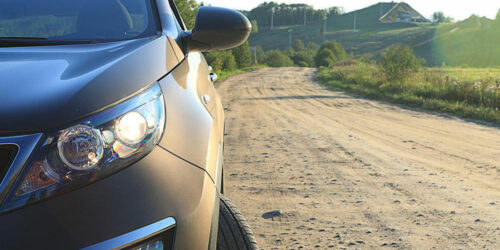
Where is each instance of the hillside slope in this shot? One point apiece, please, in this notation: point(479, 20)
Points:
point(339, 28)
point(472, 42)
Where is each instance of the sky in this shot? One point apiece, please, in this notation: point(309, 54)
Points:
point(458, 9)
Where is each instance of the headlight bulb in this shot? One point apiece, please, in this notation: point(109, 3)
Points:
point(131, 128)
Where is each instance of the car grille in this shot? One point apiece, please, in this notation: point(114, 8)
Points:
point(7, 155)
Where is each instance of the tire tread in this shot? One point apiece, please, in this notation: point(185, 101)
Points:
point(234, 231)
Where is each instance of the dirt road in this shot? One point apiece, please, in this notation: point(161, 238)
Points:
point(347, 172)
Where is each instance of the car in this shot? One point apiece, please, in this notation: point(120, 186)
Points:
point(111, 130)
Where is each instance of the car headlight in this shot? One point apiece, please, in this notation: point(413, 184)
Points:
point(91, 149)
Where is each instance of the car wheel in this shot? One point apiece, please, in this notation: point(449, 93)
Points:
point(234, 231)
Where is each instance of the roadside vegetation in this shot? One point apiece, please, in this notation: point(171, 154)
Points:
point(399, 77)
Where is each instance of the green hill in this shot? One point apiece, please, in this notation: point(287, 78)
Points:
point(471, 42)
point(341, 28)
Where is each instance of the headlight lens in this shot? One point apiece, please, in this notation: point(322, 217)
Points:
point(80, 147)
point(92, 149)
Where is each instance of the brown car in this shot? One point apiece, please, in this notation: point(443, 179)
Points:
point(111, 132)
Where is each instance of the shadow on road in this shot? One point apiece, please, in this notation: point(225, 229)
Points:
point(295, 97)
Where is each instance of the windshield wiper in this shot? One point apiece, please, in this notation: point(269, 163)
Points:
point(36, 41)
point(28, 38)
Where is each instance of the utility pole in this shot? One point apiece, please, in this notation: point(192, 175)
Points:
point(290, 38)
point(354, 21)
point(305, 16)
point(272, 18)
point(324, 28)
point(254, 50)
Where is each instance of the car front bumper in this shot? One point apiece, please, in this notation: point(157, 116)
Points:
point(160, 188)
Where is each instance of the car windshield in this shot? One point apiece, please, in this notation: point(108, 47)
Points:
point(75, 20)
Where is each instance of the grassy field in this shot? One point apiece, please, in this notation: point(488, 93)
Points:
point(472, 42)
point(465, 92)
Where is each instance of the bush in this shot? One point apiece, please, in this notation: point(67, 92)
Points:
point(399, 62)
point(329, 53)
point(348, 62)
point(290, 52)
point(276, 58)
point(304, 59)
point(367, 58)
point(221, 60)
point(260, 54)
point(298, 45)
point(325, 57)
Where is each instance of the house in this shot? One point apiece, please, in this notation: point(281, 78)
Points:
point(410, 17)
point(403, 13)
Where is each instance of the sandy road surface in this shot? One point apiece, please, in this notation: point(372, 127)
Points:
point(346, 172)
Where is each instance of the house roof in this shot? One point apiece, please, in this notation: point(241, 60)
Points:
point(401, 10)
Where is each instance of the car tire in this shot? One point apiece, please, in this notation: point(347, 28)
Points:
point(234, 232)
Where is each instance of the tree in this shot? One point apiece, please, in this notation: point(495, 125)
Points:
point(276, 58)
point(298, 45)
point(287, 14)
point(187, 10)
point(312, 46)
point(329, 53)
point(439, 17)
point(243, 55)
point(335, 11)
point(255, 27)
point(398, 62)
point(221, 60)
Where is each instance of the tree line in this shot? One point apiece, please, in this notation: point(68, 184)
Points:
point(288, 14)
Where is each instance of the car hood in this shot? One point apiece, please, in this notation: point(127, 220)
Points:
point(47, 87)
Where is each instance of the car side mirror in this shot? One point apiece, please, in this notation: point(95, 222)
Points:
point(217, 29)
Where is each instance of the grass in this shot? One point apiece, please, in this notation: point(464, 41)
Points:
point(464, 92)
point(225, 74)
point(472, 42)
